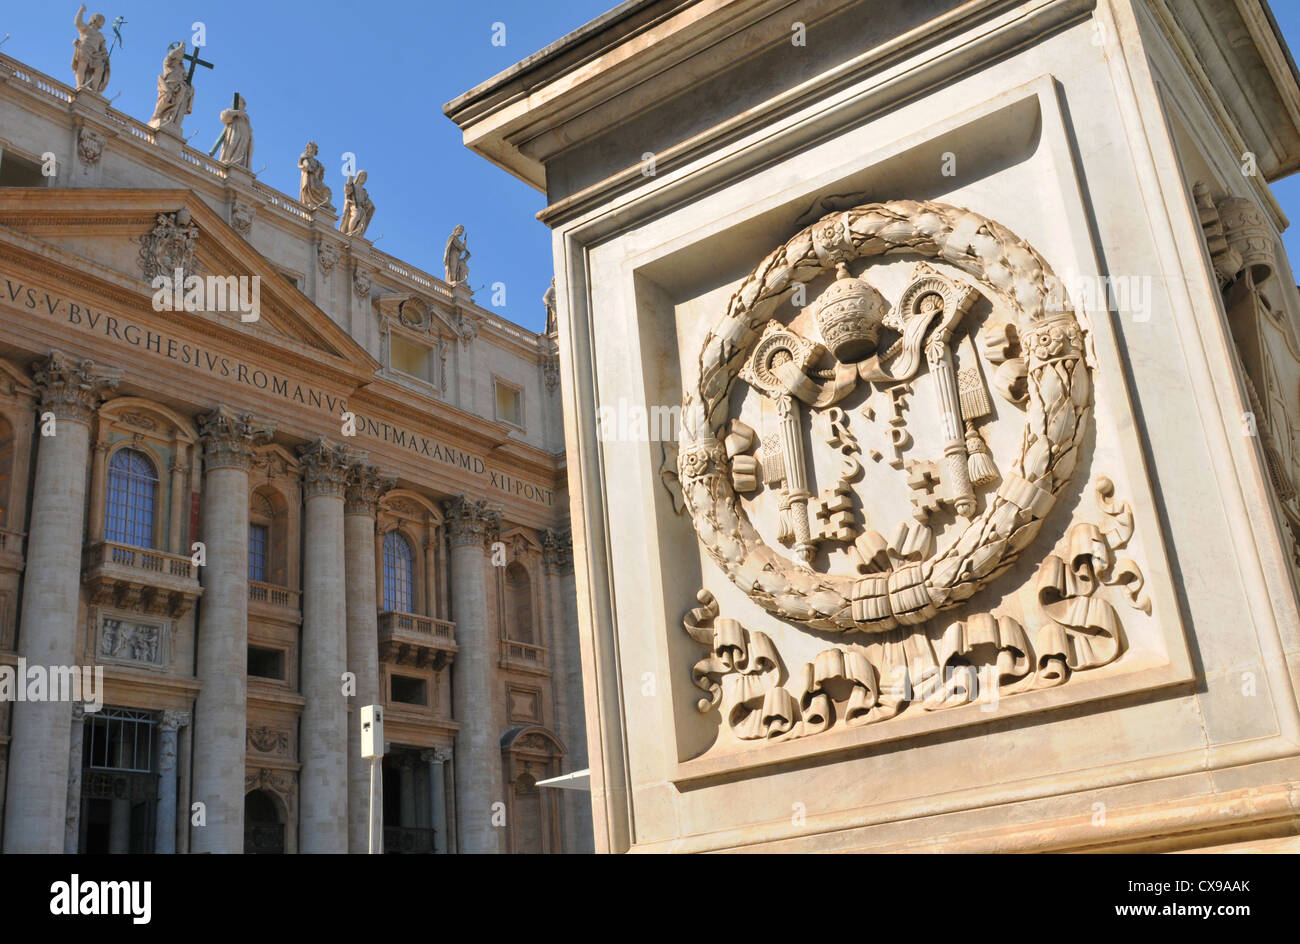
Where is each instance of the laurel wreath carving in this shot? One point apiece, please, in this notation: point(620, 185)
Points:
point(1059, 391)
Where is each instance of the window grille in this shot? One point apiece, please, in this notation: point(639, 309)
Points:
point(120, 739)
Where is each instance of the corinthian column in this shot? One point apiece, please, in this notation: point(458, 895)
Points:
point(220, 713)
point(69, 396)
point(471, 526)
point(165, 834)
point(557, 554)
point(365, 486)
point(323, 783)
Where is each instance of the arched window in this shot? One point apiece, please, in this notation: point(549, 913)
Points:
point(519, 604)
point(399, 573)
point(132, 496)
point(260, 516)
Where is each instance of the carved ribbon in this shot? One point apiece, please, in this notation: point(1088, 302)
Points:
point(1085, 631)
point(732, 649)
point(826, 677)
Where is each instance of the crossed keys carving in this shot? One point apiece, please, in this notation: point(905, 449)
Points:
point(926, 319)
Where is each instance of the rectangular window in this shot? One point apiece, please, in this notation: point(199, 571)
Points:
point(510, 404)
point(266, 663)
point(257, 552)
point(411, 359)
point(409, 691)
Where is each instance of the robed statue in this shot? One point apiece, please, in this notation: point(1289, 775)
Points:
point(358, 208)
point(90, 53)
point(312, 191)
point(175, 94)
point(236, 142)
point(455, 258)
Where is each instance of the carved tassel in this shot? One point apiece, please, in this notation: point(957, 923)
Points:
point(979, 464)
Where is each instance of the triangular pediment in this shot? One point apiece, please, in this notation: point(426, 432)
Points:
point(128, 233)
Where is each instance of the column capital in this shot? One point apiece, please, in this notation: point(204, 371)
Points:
point(470, 522)
point(174, 720)
point(557, 551)
point(363, 488)
point(436, 755)
point(229, 438)
point(325, 467)
point(72, 389)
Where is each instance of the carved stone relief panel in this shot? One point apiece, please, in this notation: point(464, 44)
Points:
point(271, 740)
point(866, 450)
point(129, 639)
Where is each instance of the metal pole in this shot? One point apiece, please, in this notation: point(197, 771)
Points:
point(376, 808)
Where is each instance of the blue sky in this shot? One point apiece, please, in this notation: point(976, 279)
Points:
point(372, 79)
point(1287, 190)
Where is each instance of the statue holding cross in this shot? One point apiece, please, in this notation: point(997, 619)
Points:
point(175, 89)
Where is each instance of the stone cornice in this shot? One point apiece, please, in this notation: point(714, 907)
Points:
point(72, 390)
point(470, 522)
point(325, 467)
point(229, 438)
point(364, 487)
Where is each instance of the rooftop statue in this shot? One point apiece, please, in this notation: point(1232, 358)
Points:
point(236, 141)
point(90, 53)
point(312, 191)
point(175, 94)
point(358, 208)
point(455, 258)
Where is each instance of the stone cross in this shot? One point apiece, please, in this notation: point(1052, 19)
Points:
point(193, 59)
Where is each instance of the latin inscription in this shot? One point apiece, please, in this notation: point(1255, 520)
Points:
point(193, 355)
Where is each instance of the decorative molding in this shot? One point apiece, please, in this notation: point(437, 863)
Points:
point(363, 489)
point(327, 255)
point(270, 739)
point(557, 551)
point(242, 214)
point(471, 522)
point(325, 467)
point(362, 281)
point(909, 587)
point(90, 145)
point(983, 658)
point(169, 246)
point(72, 390)
point(229, 438)
point(174, 720)
point(131, 641)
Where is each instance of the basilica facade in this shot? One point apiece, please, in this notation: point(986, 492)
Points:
point(257, 474)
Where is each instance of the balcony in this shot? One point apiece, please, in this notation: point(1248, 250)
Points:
point(140, 578)
point(271, 601)
point(524, 657)
point(408, 639)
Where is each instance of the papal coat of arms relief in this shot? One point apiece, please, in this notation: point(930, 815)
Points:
point(863, 460)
